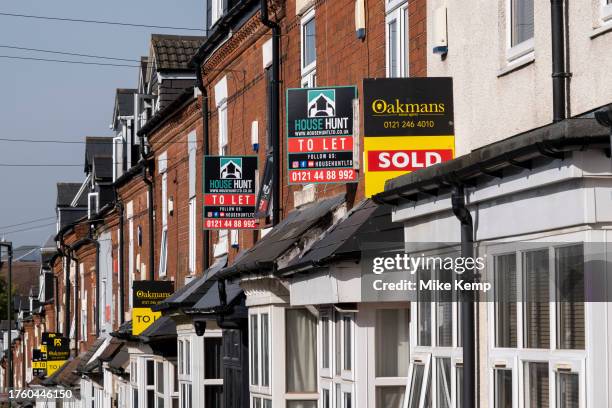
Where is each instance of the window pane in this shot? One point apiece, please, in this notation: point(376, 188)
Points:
point(325, 342)
point(338, 345)
point(522, 21)
point(160, 377)
point(503, 388)
point(267, 403)
point(348, 343)
point(505, 301)
point(160, 402)
point(443, 366)
point(301, 337)
point(568, 390)
point(150, 372)
point(389, 397)
point(309, 43)
point(256, 402)
point(213, 396)
point(348, 400)
point(150, 399)
point(326, 401)
point(537, 296)
point(424, 312)
point(180, 356)
point(301, 404)
point(392, 43)
point(416, 385)
point(392, 344)
point(536, 385)
point(459, 385)
point(187, 357)
point(212, 357)
point(254, 351)
point(570, 297)
point(265, 350)
point(444, 311)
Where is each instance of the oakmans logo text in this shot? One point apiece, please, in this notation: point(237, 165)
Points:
point(381, 107)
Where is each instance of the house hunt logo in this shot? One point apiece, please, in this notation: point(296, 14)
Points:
point(230, 167)
point(321, 103)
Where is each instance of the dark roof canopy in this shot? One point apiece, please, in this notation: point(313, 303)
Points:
point(262, 256)
point(189, 294)
point(162, 329)
point(365, 223)
point(124, 102)
point(211, 302)
point(515, 154)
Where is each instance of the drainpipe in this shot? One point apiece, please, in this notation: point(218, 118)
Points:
point(119, 206)
point(70, 257)
point(273, 108)
point(149, 183)
point(467, 299)
point(205, 149)
point(559, 74)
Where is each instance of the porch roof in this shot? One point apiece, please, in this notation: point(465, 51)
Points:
point(189, 294)
point(263, 255)
point(366, 221)
point(517, 153)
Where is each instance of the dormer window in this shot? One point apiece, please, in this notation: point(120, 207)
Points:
point(93, 204)
point(216, 11)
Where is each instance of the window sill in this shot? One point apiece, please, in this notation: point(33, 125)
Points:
point(516, 65)
point(603, 29)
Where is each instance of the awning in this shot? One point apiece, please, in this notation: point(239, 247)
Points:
point(119, 362)
point(189, 294)
point(210, 303)
point(162, 329)
point(263, 255)
point(498, 160)
point(365, 223)
point(65, 375)
point(124, 332)
point(111, 350)
point(88, 359)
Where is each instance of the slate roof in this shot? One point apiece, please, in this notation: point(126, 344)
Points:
point(66, 193)
point(283, 236)
point(97, 146)
point(173, 52)
point(365, 223)
point(162, 329)
point(211, 301)
point(65, 375)
point(26, 253)
point(102, 167)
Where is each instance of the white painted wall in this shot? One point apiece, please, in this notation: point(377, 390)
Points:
point(489, 107)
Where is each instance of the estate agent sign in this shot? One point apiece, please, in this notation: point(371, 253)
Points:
point(320, 135)
point(147, 294)
point(55, 350)
point(229, 192)
point(408, 126)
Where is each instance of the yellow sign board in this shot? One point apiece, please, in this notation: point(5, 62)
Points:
point(143, 317)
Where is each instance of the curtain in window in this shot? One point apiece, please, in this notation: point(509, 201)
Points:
point(568, 390)
point(570, 297)
point(503, 388)
point(522, 21)
point(536, 385)
point(390, 397)
point(301, 337)
point(537, 296)
point(392, 343)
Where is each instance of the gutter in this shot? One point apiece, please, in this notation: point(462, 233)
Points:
point(518, 152)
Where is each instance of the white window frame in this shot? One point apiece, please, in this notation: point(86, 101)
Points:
point(118, 146)
point(397, 11)
point(209, 334)
point(223, 128)
point(606, 11)
point(263, 391)
point(163, 253)
point(216, 11)
point(515, 359)
point(192, 154)
point(307, 18)
point(520, 52)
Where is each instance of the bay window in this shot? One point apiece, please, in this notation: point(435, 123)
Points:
point(213, 376)
point(336, 350)
point(391, 356)
point(259, 356)
point(538, 324)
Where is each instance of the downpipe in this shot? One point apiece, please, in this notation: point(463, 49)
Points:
point(467, 299)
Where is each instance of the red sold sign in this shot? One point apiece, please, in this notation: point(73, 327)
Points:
point(406, 160)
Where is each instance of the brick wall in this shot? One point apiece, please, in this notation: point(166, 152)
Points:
point(342, 59)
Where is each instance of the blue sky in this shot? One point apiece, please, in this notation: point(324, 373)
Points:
point(45, 100)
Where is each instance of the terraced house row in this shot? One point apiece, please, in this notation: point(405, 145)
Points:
point(279, 315)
